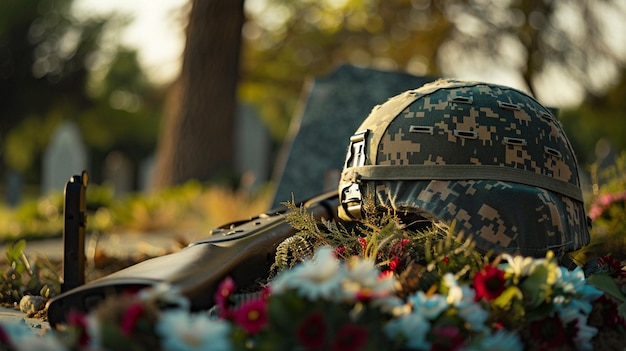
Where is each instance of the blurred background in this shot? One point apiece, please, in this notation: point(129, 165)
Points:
point(162, 100)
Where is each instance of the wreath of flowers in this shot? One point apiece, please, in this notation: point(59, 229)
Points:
point(373, 287)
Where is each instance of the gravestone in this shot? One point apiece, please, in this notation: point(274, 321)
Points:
point(334, 106)
point(252, 148)
point(64, 157)
point(118, 173)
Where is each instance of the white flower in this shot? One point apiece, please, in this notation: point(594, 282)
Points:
point(164, 292)
point(413, 327)
point(500, 340)
point(459, 296)
point(584, 334)
point(428, 306)
point(363, 278)
point(455, 293)
point(23, 338)
point(93, 330)
point(319, 277)
point(182, 331)
point(520, 266)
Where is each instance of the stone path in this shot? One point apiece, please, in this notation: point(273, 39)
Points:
point(13, 316)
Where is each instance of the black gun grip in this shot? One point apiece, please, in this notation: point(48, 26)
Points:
point(75, 221)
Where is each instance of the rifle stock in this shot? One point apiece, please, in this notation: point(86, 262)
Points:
point(243, 250)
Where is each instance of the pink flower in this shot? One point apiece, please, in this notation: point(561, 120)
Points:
point(131, 316)
point(222, 296)
point(603, 202)
point(251, 315)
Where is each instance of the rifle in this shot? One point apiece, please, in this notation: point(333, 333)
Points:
point(242, 250)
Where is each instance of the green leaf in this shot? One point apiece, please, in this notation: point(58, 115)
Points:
point(536, 287)
point(508, 296)
point(607, 284)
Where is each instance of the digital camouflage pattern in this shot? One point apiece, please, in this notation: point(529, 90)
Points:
point(488, 158)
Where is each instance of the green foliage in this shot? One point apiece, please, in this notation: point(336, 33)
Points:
point(188, 206)
point(21, 277)
point(423, 256)
point(55, 66)
point(607, 211)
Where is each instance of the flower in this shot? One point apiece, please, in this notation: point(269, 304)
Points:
point(446, 337)
point(412, 328)
point(489, 283)
point(181, 331)
point(312, 332)
point(166, 294)
point(518, 266)
point(611, 266)
point(363, 281)
point(79, 321)
point(130, 318)
point(428, 306)
point(548, 333)
point(251, 315)
point(224, 291)
point(319, 277)
point(350, 337)
point(500, 340)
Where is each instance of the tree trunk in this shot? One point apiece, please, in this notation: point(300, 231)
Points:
point(197, 140)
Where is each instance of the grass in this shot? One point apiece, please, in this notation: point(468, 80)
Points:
point(189, 206)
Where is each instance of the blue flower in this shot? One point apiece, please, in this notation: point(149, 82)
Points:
point(413, 328)
point(500, 340)
point(428, 306)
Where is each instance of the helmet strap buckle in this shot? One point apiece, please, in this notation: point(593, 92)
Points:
point(352, 201)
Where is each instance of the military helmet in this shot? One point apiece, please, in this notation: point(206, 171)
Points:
point(488, 158)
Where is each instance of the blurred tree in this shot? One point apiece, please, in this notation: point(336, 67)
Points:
point(43, 54)
point(538, 44)
point(197, 140)
point(559, 48)
point(56, 66)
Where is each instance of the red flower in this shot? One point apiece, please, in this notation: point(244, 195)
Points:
point(339, 251)
point(130, 318)
point(363, 243)
point(447, 338)
point(611, 266)
point(312, 332)
point(79, 320)
point(549, 333)
point(251, 315)
point(489, 283)
point(350, 338)
point(393, 264)
point(5, 340)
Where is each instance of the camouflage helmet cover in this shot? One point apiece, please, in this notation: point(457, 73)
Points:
point(488, 157)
